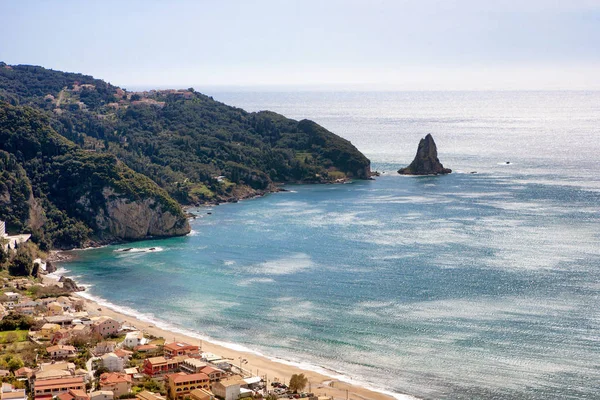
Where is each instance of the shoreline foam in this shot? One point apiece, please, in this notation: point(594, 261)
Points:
point(328, 381)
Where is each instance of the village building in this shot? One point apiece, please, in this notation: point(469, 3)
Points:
point(227, 389)
point(213, 373)
point(103, 348)
point(116, 382)
point(23, 373)
point(181, 384)
point(10, 393)
point(48, 330)
point(60, 351)
point(192, 365)
point(112, 362)
point(180, 349)
point(48, 388)
point(160, 365)
point(105, 326)
point(133, 339)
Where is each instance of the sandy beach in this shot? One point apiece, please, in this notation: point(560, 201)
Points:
point(319, 384)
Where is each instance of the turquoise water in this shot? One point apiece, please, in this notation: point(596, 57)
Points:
point(466, 286)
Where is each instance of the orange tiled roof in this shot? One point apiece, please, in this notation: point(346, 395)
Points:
point(183, 377)
point(109, 378)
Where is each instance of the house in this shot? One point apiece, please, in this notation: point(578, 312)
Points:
point(116, 382)
point(213, 373)
point(103, 348)
point(53, 387)
point(10, 393)
point(61, 351)
point(4, 373)
point(159, 365)
point(61, 336)
point(133, 339)
point(180, 349)
point(11, 299)
point(73, 395)
point(181, 384)
point(112, 362)
point(147, 348)
point(48, 330)
point(201, 394)
point(105, 326)
point(54, 309)
point(102, 395)
point(146, 395)
point(60, 319)
point(24, 372)
point(227, 389)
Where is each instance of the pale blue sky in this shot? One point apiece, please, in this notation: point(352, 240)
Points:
point(427, 44)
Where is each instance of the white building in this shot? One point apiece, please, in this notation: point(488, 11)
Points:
point(133, 339)
point(113, 362)
point(2, 229)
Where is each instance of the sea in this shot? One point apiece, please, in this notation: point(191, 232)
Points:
point(480, 284)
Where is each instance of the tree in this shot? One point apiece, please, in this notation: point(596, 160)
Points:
point(22, 264)
point(298, 382)
point(15, 363)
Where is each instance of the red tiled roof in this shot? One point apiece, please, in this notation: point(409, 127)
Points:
point(109, 378)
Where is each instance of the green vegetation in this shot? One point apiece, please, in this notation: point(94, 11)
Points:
point(14, 321)
point(298, 382)
point(64, 137)
point(18, 335)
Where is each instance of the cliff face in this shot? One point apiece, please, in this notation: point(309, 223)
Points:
point(67, 197)
point(426, 161)
point(139, 219)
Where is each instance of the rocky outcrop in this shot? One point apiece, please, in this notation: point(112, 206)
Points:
point(125, 219)
point(69, 284)
point(426, 161)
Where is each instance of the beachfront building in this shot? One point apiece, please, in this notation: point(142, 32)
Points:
point(181, 384)
point(192, 365)
point(227, 389)
point(180, 349)
point(61, 351)
point(48, 388)
point(156, 366)
point(112, 362)
point(133, 339)
point(213, 373)
point(105, 326)
point(116, 382)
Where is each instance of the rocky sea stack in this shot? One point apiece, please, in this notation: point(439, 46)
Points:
point(426, 161)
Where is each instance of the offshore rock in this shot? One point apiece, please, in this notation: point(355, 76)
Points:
point(426, 161)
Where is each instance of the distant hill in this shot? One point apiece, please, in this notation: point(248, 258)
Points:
point(199, 150)
point(75, 149)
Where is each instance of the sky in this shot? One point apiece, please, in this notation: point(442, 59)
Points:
point(355, 44)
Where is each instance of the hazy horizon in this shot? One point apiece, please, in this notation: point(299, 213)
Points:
point(378, 45)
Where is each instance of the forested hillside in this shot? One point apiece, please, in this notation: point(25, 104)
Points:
point(194, 147)
point(71, 144)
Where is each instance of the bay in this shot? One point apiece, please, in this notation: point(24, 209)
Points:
point(470, 285)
